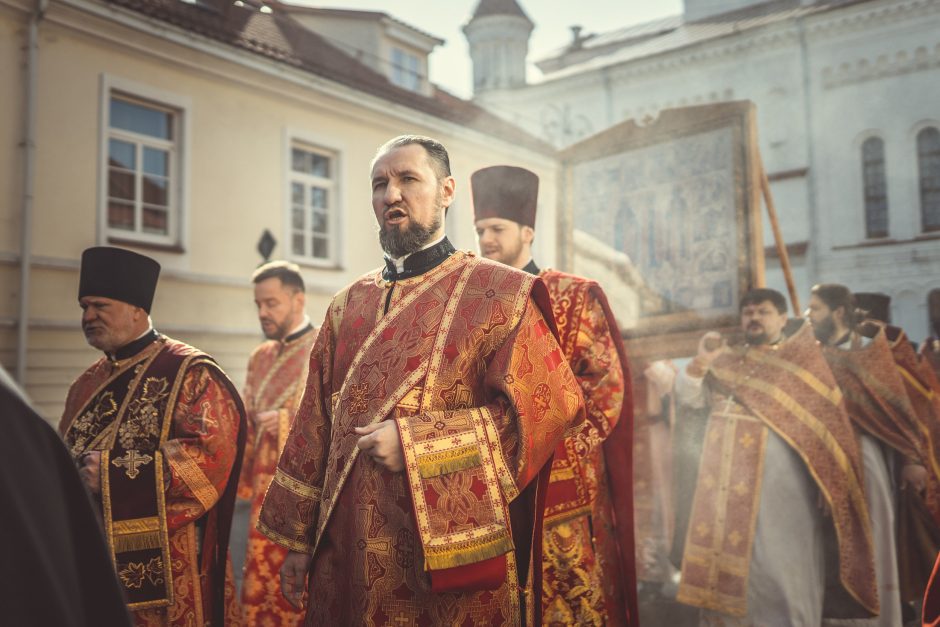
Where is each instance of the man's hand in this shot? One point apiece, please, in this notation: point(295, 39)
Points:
point(268, 421)
point(380, 442)
point(709, 348)
point(90, 471)
point(662, 376)
point(915, 476)
point(294, 578)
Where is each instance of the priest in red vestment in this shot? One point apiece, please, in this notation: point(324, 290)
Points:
point(779, 532)
point(409, 488)
point(277, 370)
point(158, 431)
point(588, 562)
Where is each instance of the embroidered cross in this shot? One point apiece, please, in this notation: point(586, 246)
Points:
point(131, 461)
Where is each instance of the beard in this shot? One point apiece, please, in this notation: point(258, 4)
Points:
point(825, 330)
point(756, 334)
point(509, 256)
point(398, 243)
point(276, 331)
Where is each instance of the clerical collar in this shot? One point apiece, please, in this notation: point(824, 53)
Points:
point(132, 348)
point(419, 262)
point(845, 339)
point(531, 268)
point(304, 328)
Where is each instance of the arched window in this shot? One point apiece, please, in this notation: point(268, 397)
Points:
point(876, 189)
point(928, 166)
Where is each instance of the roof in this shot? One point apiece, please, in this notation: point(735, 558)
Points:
point(674, 33)
point(377, 16)
point(277, 36)
point(499, 7)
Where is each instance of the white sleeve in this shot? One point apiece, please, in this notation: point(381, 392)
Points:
point(690, 390)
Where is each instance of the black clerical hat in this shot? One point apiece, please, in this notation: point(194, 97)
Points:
point(505, 191)
point(119, 274)
point(875, 305)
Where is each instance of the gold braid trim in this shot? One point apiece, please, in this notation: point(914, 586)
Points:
point(284, 541)
point(928, 394)
point(831, 394)
point(468, 552)
point(507, 481)
point(444, 462)
point(192, 475)
point(136, 525)
point(299, 488)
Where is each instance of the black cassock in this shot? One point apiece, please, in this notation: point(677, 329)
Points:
point(54, 564)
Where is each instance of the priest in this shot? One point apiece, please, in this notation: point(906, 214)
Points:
point(157, 430)
point(277, 370)
point(588, 548)
point(410, 485)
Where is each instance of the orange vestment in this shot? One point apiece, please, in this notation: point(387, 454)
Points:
point(275, 381)
point(588, 563)
point(464, 361)
point(166, 416)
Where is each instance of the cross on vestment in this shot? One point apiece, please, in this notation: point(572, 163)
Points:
point(131, 461)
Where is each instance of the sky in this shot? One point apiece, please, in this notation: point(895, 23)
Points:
point(450, 63)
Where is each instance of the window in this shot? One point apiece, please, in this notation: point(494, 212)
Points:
point(876, 189)
point(928, 166)
point(142, 170)
point(405, 70)
point(312, 199)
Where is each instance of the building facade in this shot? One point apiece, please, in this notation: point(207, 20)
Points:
point(185, 131)
point(848, 106)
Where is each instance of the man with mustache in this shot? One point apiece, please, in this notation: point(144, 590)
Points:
point(588, 564)
point(407, 490)
point(277, 370)
point(158, 431)
point(778, 454)
point(864, 363)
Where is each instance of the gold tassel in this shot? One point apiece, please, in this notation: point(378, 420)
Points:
point(436, 464)
point(137, 542)
point(452, 556)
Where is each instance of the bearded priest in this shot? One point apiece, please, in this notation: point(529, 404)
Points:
point(410, 485)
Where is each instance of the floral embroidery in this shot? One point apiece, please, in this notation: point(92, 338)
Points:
point(143, 421)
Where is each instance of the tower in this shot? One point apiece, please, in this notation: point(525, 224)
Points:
point(498, 34)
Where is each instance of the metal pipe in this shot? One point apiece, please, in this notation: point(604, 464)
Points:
point(29, 165)
point(813, 252)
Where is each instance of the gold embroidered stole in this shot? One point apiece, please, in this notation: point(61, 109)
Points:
point(790, 390)
point(720, 537)
point(128, 419)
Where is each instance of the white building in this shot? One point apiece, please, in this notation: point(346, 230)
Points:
point(848, 98)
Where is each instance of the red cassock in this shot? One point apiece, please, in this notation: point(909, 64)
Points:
point(464, 361)
point(589, 574)
point(170, 428)
point(277, 371)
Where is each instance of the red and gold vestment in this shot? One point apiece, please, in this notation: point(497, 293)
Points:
point(463, 360)
point(588, 549)
point(170, 428)
point(275, 382)
point(789, 389)
point(876, 396)
point(918, 514)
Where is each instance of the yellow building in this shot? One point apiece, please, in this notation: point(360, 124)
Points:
point(184, 131)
